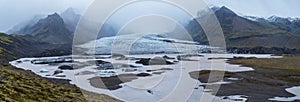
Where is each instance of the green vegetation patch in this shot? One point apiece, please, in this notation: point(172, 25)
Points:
point(18, 85)
point(24, 86)
point(288, 62)
point(5, 39)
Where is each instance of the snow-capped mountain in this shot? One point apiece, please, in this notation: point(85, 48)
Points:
point(244, 33)
point(282, 20)
point(279, 19)
point(273, 19)
point(252, 18)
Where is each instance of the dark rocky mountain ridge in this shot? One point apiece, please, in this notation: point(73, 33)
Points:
point(51, 29)
point(58, 28)
point(71, 18)
point(15, 46)
point(21, 27)
point(241, 33)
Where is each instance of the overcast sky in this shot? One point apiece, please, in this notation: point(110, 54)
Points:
point(16, 11)
point(261, 8)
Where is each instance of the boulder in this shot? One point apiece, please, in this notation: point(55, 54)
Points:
point(66, 67)
point(103, 65)
point(167, 57)
point(19, 61)
point(143, 74)
point(154, 61)
point(57, 72)
point(99, 62)
point(2, 81)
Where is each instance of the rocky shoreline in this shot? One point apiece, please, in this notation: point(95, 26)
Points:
point(262, 50)
point(32, 87)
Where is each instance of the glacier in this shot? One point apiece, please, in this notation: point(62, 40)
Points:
point(143, 44)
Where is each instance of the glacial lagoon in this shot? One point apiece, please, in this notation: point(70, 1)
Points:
point(162, 82)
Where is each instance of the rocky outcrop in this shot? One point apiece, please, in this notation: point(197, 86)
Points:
point(154, 61)
point(103, 65)
point(66, 67)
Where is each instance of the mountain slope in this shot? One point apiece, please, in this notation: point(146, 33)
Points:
point(240, 32)
point(289, 24)
point(21, 27)
point(15, 46)
point(70, 18)
point(51, 29)
point(18, 85)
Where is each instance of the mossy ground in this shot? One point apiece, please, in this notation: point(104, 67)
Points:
point(18, 85)
point(288, 62)
point(24, 86)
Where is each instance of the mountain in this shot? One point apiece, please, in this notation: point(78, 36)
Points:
point(242, 33)
point(59, 29)
point(51, 29)
point(20, 28)
point(289, 24)
point(70, 18)
point(15, 46)
point(252, 18)
point(277, 19)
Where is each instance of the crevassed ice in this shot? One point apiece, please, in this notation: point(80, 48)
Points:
point(146, 44)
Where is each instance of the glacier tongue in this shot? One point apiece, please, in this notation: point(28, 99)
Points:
point(142, 44)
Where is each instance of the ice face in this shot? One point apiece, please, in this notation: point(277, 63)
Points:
point(143, 44)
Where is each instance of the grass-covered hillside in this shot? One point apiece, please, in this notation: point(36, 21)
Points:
point(288, 62)
point(24, 86)
point(15, 46)
point(18, 85)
